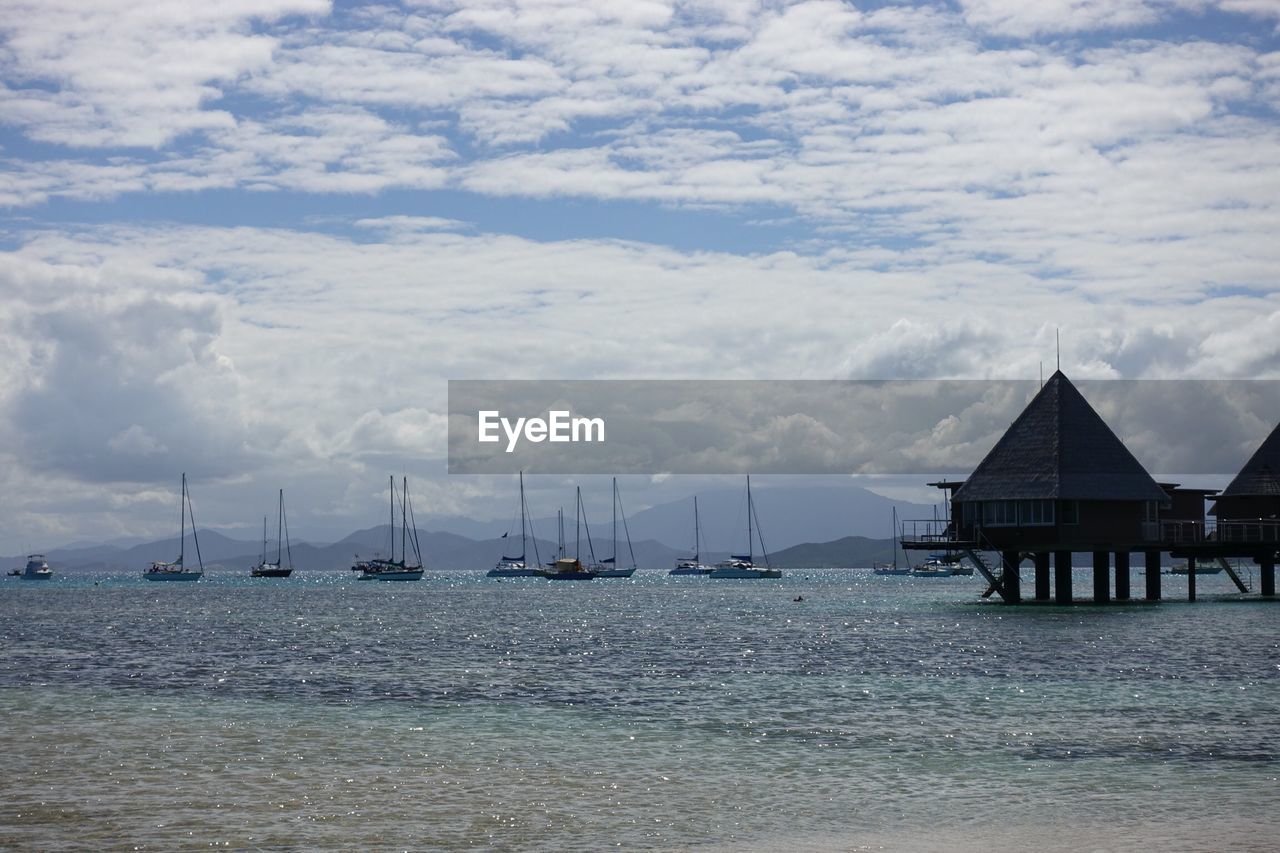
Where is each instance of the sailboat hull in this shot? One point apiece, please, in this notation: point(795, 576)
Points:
point(410, 575)
point(173, 576)
point(745, 574)
point(691, 570)
point(615, 573)
point(514, 573)
point(271, 573)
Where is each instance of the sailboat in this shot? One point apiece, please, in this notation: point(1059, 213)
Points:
point(276, 569)
point(693, 565)
point(516, 567)
point(177, 570)
point(379, 569)
point(609, 568)
point(885, 568)
point(744, 566)
point(568, 568)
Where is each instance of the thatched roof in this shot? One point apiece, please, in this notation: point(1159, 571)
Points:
point(1260, 476)
point(1059, 448)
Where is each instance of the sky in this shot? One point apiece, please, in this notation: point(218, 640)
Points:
point(253, 240)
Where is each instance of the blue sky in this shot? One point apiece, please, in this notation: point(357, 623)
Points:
point(253, 240)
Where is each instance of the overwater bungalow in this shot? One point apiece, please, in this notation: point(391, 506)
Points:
point(1248, 513)
point(1060, 482)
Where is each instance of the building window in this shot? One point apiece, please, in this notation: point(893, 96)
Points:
point(1151, 511)
point(1070, 512)
point(1035, 512)
point(999, 513)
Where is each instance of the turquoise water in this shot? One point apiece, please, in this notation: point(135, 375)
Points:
point(671, 713)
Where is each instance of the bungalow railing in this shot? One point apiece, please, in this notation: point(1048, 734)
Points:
point(1249, 530)
point(927, 530)
point(1235, 530)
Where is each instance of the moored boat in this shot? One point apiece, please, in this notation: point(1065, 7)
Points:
point(567, 568)
point(743, 566)
point(391, 569)
point(693, 565)
point(517, 567)
point(608, 568)
point(1201, 569)
point(893, 568)
point(178, 570)
point(278, 569)
point(37, 569)
point(932, 568)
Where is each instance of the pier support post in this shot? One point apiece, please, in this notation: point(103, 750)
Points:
point(1191, 578)
point(1062, 577)
point(1122, 575)
point(1101, 577)
point(1011, 578)
point(1042, 576)
point(1267, 573)
point(1153, 575)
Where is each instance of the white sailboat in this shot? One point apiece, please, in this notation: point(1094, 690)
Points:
point(693, 565)
point(391, 569)
point(517, 567)
point(895, 569)
point(276, 569)
point(177, 570)
point(743, 565)
point(609, 568)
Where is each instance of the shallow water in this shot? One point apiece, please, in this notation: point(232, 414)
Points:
point(878, 713)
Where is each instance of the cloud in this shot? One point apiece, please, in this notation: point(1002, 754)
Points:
point(128, 73)
point(910, 190)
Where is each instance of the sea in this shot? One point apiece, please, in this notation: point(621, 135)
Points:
point(828, 710)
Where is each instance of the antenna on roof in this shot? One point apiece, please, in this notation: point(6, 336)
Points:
point(1057, 340)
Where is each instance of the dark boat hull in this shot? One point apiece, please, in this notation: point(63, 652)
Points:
point(271, 573)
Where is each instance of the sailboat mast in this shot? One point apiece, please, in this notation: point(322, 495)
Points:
point(750, 511)
point(404, 520)
point(182, 525)
point(615, 522)
point(895, 537)
point(264, 539)
point(697, 534)
point(523, 525)
point(577, 520)
point(279, 528)
point(391, 505)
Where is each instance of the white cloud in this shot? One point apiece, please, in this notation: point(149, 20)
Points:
point(128, 73)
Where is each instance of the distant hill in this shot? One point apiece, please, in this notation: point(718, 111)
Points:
point(788, 516)
point(848, 552)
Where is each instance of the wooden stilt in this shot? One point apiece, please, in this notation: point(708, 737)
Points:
point(1267, 574)
point(1153, 575)
point(1011, 577)
point(1191, 578)
point(1062, 577)
point(1042, 576)
point(1101, 577)
point(1122, 575)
